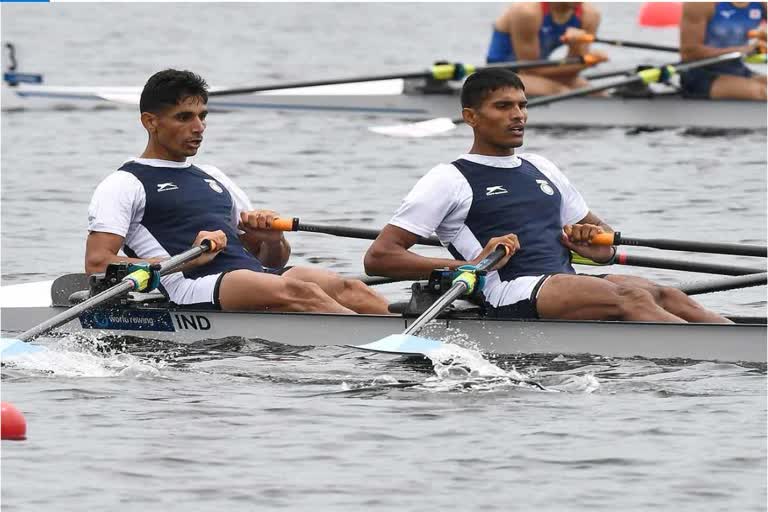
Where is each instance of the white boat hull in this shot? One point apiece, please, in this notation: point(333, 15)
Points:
point(711, 342)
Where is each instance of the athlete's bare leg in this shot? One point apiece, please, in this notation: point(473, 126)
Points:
point(246, 290)
point(672, 299)
point(351, 293)
point(536, 85)
point(574, 297)
point(738, 88)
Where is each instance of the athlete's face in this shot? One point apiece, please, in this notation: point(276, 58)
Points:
point(177, 132)
point(499, 122)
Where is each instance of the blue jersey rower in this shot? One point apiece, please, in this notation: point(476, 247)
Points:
point(709, 29)
point(160, 204)
point(492, 196)
point(532, 31)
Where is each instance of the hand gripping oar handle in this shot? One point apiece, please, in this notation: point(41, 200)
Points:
point(126, 285)
point(681, 245)
point(294, 224)
point(454, 292)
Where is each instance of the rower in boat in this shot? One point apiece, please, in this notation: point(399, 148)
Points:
point(708, 29)
point(160, 204)
point(533, 30)
point(492, 196)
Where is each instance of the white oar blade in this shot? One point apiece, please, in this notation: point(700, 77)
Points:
point(405, 344)
point(421, 129)
point(13, 347)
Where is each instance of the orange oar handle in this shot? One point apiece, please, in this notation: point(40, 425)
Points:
point(591, 60)
point(756, 33)
point(604, 238)
point(583, 38)
point(283, 224)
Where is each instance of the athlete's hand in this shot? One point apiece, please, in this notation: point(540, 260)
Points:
point(257, 225)
point(510, 241)
point(572, 37)
point(219, 240)
point(577, 237)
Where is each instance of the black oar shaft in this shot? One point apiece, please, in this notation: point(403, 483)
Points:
point(693, 246)
point(641, 46)
point(348, 232)
point(729, 283)
point(392, 76)
point(686, 266)
point(166, 267)
point(455, 291)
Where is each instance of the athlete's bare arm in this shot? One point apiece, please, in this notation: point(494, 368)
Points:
point(389, 255)
point(102, 248)
point(693, 28)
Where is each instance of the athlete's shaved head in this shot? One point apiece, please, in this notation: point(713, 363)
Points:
point(480, 85)
point(169, 88)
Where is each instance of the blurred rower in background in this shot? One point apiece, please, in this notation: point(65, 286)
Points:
point(709, 29)
point(533, 30)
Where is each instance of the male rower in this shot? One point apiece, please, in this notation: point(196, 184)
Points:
point(709, 29)
point(492, 196)
point(533, 30)
point(160, 204)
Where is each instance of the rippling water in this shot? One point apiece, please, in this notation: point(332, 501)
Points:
point(257, 426)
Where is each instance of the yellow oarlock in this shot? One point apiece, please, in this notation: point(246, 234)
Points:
point(448, 71)
point(469, 278)
point(653, 75)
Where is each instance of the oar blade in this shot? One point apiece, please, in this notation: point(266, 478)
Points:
point(403, 344)
point(421, 129)
point(10, 347)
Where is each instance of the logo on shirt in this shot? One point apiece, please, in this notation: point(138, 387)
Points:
point(496, 190)
point(214, 185)
point(546, 187)
point(165, 187)
point(727, 14)
point(754, 14)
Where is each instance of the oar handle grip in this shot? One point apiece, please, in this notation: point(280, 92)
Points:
point(606, 239)
point(497, 255)
point(591, 60)
point(285, 224)
point(756, 33)
point(581, 38)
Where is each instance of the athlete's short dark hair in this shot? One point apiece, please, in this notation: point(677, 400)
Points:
point(170, 87)
point(479, 85)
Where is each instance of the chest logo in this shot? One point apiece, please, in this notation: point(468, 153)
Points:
point(214, 185)
point(727, 14)
point(165, 187)
point(546, 187)
point(495, 190)
point(754, 14)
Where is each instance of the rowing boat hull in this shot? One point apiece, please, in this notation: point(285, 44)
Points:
point(741, 342)
point(387, 98)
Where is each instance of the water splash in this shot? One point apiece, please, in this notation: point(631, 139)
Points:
point(79, 356)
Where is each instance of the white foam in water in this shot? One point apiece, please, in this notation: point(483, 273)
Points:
point(69, 357)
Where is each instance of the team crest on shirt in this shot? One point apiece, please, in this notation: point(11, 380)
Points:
point(546, 187)
point(754, 14)
point(215, 186)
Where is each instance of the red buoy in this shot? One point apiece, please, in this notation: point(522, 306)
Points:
point(660, 14)
point(12, 423)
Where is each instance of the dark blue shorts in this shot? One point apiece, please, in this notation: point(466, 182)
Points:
point(697, 83)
